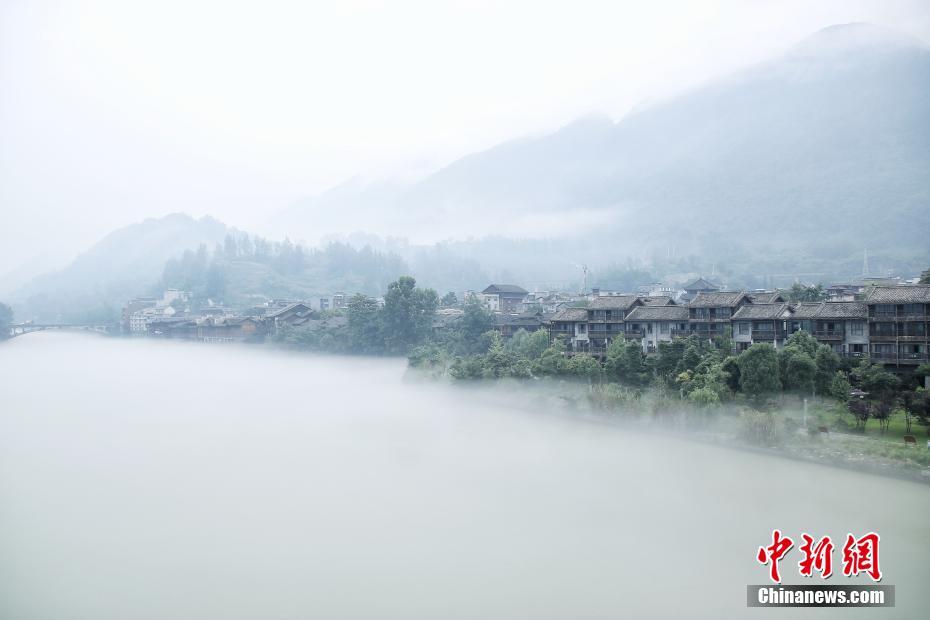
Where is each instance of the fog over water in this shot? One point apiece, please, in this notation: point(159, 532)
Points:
point(169, 481)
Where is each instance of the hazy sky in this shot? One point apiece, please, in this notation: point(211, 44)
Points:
point(114, 111)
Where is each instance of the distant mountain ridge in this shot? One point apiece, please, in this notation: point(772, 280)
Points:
point(823, 151)
point(125, 263)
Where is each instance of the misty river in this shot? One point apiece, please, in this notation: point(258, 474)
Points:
point(162, 480)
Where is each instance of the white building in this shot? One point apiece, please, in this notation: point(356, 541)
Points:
point(654, 324)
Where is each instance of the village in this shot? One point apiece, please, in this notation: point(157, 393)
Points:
point(884, 319)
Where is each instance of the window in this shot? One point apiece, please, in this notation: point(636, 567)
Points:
point(882, 329)
point(856, 328)
point(581, 328)
point(743, 328)
point(663, 328)
point(883, 310)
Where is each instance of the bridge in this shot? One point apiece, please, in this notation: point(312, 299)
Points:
point(18, 329)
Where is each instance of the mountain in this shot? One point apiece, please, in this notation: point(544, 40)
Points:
point(809, 158)
point(125, 263)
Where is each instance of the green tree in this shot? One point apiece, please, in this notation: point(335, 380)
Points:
point(731, 367)
point(724, 343)
point(758, 368)
point(552, 361)
point(476, 320)
point(529, 345)
point(6, 319)
point(881, 386)
point(875, 380)
point(585, 367)
point(467, 368)
point(704, 397)
point(828, 362)
point(364, 321)
point(498, 363)
point(840, 387)
point(215, 286)
point(230, 247)
point(803, 341)
point(488, 340)
point(861, 410)
point(407, 315)
point(449, 300)
point(919, 405)
point(668, 357)
point(625, 362)
point(800, 372)
point(925, 277)
point(691, 358)
point(922, 371)
point(799, 292)
point(711, 375)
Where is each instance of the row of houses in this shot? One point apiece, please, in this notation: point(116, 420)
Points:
point(220, 324)
point(890, 324)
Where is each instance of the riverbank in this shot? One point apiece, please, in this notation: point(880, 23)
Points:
point(780, 432)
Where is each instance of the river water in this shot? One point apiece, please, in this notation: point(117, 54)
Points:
point(168, 481)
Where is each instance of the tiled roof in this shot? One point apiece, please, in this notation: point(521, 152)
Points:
point(717, 299)
point(806, 309)
point(570, 314)
point(613, 302)
point(333, 321)
point(659, 300)
point(518, 319)
point(898, 294)
point(701, 284)
point(658, 313)
point(504, 288)
point(761, 311)
point(297, 305)
point(767, 297)
point(843, 310)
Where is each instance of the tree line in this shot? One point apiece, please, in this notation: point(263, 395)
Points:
point(393, 327)
point(212, 274)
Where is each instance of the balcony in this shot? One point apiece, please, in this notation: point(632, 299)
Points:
point(593, 351)
point(883, 337)
point(764, 334)
point(681, 333)
point(903, 358)
point(909, 316)
point(633, 333)
point(829, 334)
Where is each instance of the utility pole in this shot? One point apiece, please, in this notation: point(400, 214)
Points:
point(584, 284)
